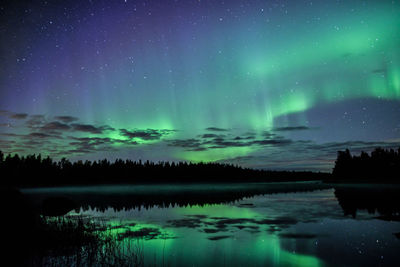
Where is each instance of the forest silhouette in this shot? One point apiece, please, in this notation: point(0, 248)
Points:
point(34, 170)
point(382, 165)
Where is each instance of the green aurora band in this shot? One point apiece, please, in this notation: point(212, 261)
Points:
point(243, 75)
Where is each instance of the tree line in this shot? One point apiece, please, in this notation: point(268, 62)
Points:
point(382, 165)
point(35, 170)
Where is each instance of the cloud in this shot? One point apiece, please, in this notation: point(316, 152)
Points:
point(268, 134)
point(55, 125)
point(304, 155)
point(6, 144)
point(86, 128)
point(10, 134)
point(214, 141)
point(89, 142)
point(291, 128)
point(66, 119)
point(19, 116)
point(197, 149)
point(41, 135)
point(62, 123)
point(353, 146)
point(82, 145)
point(243, 138)
point(13, 115)
point(215, 129)
point(210, 136)
point(34, 142)
point(221, 143)
point(275, 142)
point(148, 134)
point(67, 136)
point(186, 143)
point(35, 121)
point(90, 128)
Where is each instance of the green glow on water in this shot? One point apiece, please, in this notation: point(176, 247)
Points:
point(282, 229)
point(188, 246)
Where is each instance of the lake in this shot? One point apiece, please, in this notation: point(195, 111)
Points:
point(268, 224)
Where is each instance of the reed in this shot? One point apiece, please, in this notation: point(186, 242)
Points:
point(80, 241)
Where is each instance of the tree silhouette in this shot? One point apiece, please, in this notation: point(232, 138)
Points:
point(383, 165)
point(33, 170)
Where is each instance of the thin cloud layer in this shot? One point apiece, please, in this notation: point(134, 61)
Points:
point(216, 129)
point(88, 128)
point(66, 119)
point(67, 136)
point(54, 126)
point(217, 141)
point(13, 115)
point(293, 128)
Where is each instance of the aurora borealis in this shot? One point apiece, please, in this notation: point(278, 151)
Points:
point(265, 84)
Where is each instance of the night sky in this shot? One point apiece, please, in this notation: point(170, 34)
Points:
point(263, 84)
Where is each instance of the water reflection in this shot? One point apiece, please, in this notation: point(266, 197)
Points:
point(298, 224)
point(381, 199)
point(149, 196)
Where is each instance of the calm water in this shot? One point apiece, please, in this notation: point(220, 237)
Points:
point(296, 224)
